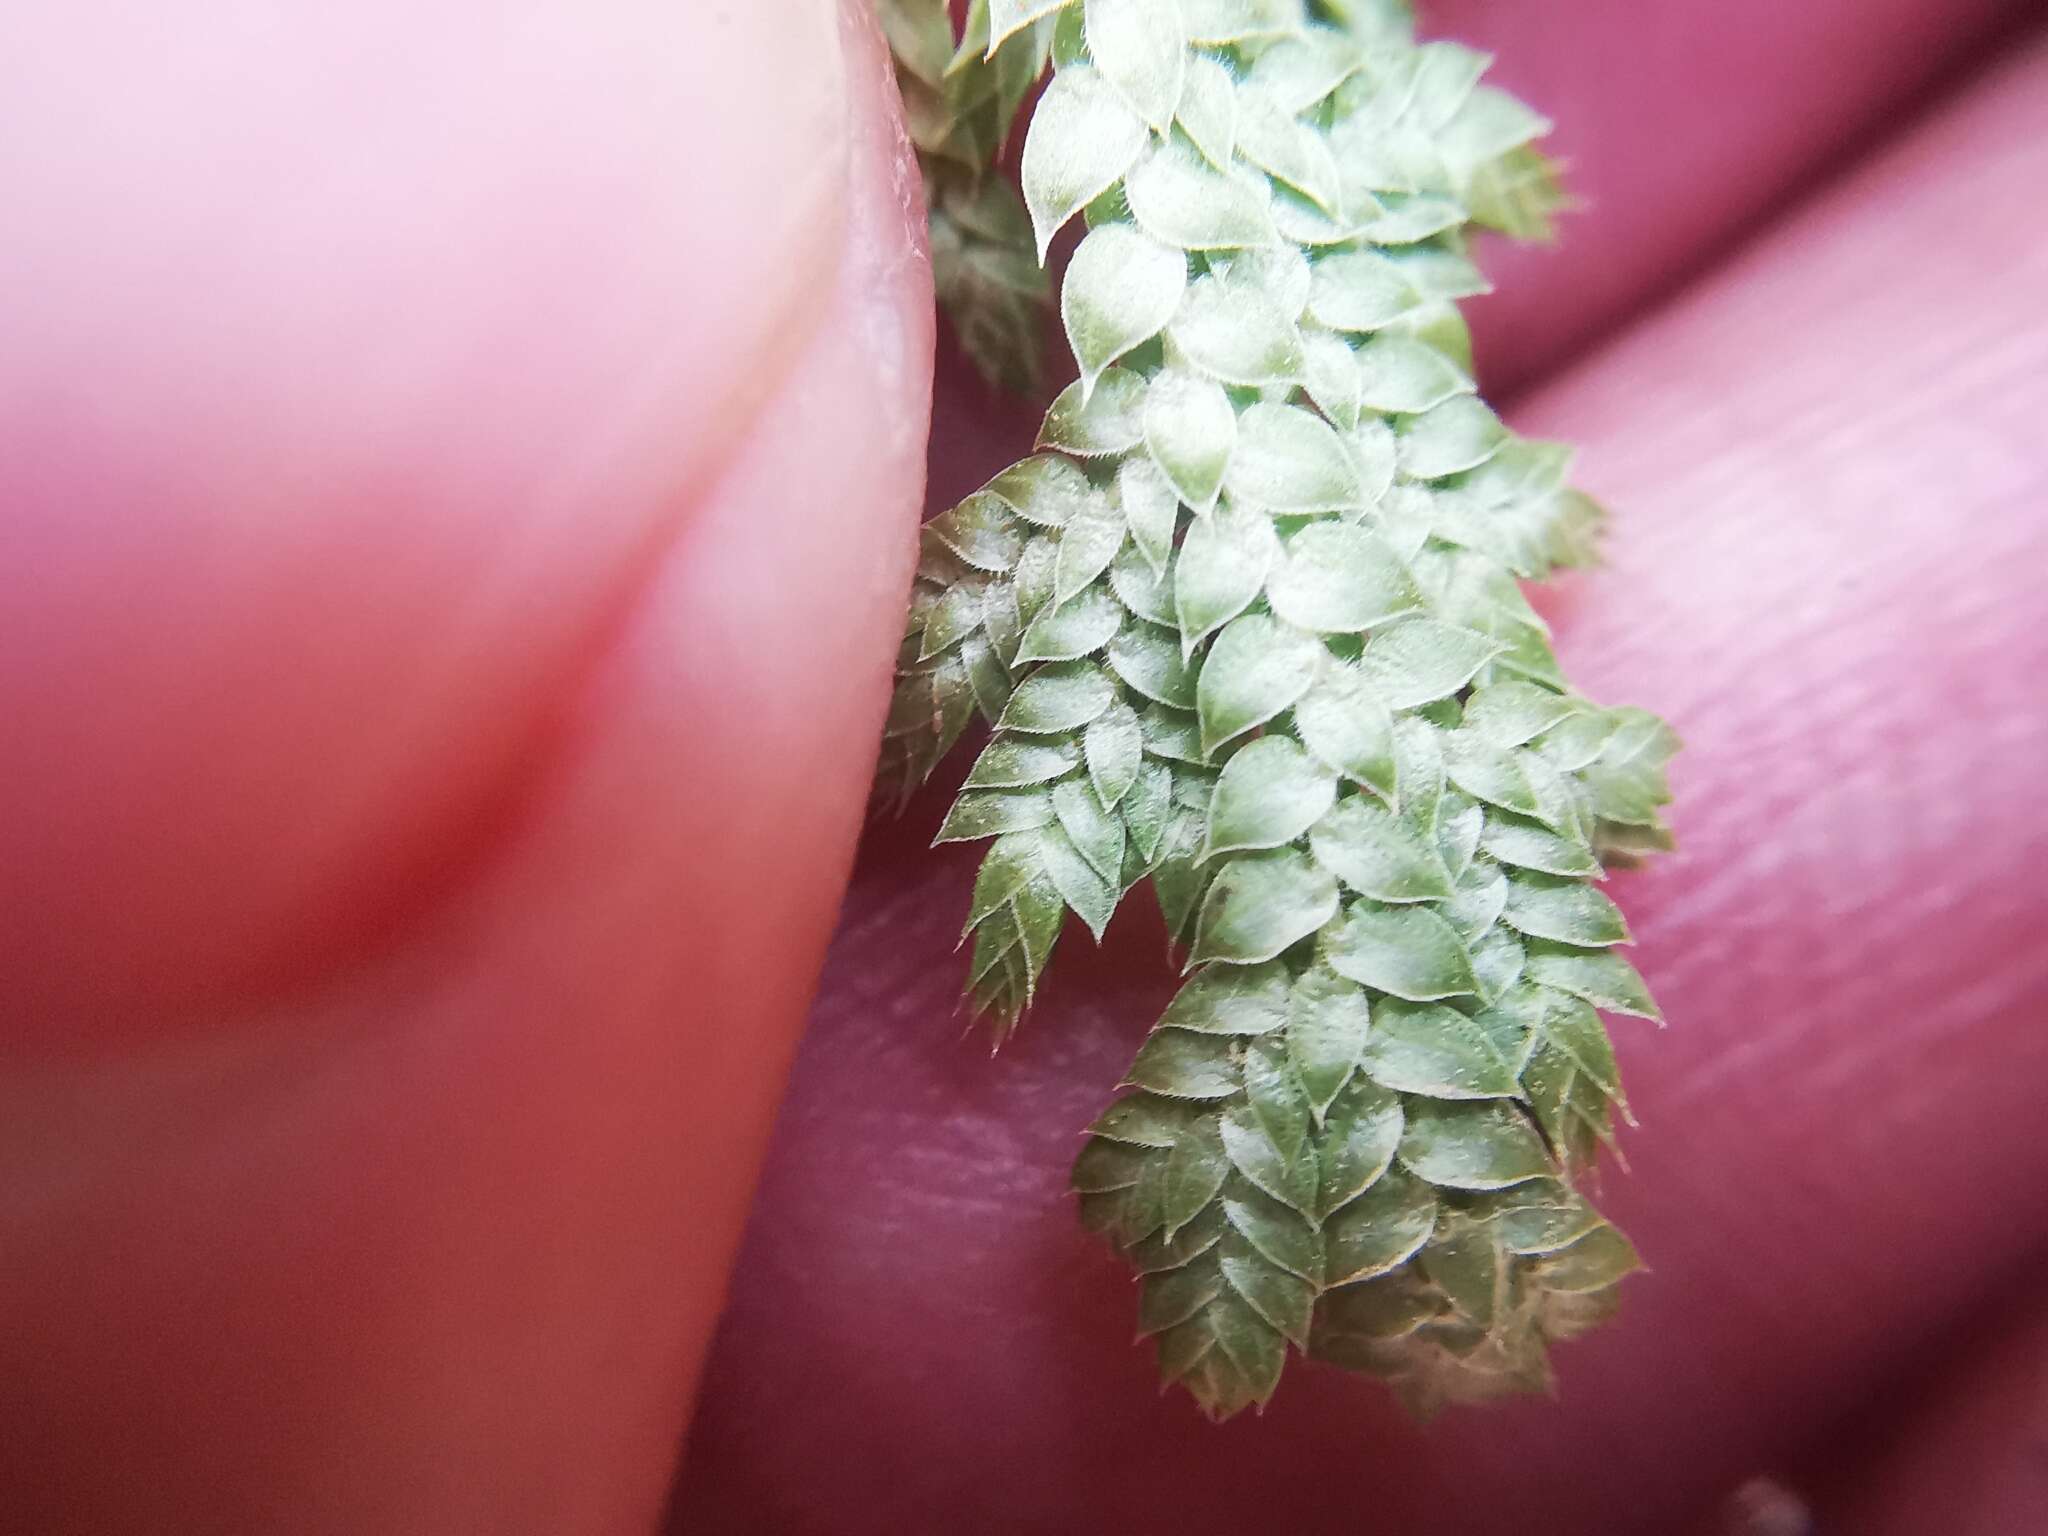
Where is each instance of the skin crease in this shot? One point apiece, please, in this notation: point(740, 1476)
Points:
point(1827, 535)
point(376, 1167)
point(434, 1240)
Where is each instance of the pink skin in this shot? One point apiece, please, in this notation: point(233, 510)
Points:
point(459, 498)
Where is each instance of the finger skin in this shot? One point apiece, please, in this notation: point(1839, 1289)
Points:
point(435, 1242)
point(272, 288)
point(1680, 126)
point(1824, 569)
point(1967, 1454)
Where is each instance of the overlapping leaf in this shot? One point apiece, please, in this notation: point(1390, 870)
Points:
point(1249, 630)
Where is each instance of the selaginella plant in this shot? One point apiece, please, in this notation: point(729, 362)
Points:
point(1249, 629)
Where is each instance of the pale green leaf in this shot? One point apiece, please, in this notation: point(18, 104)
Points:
point(1435, 1051)
point(1378, 854)
point(1195, 1171)
point(1220, 568)
point(1459, 824)
point(1174, 734)
point(1141, 49)
point(1083, 137)
point(980, 531)
point(1292, 1181)
point(1174, 1295)
point(1526, 845)
point(1190, 430)
point(1563, 911)
point(1259, 905)
point(1098, 834)
point(1289, 460)
point(1488, 771)
point(1407, 952)
point(1147, 593)
point(1488, 125)
point(1270, 137)
point(1284, 1300)
point(988, 813)
point(1011, 764)
point(1327, 1020)
point(1078, 627)
point(1281, 1234)
point(1090, 425)
point(1397, 373)
point(1360, 1133)
point(1046, 489)
point(1008, 16)
point(1120, 289)
point(1476, 905)
point(1183, 1065)
point(1104, 1166)
point(1340, 578)
point(1170, 1248)
point(1443, 77)
point(1257, 667)
point(1114, 749)
point(1360, 291)
point(1498, 959)
point(1419, 661)
point(1010, 862)
point(1514, 713)
point(1280, 272)
point(957, 614)
point(1454, 436)
point(1059, 698)
point(1269, 793)
point(1143, 1120)
point(1145, 809)
point(1151, 509)
point(1278, 1100)
point(1177, 197)
point(1087, 545)
point(1150, 662)
point(1300, 71)
point(1081, 886)
point(1439, 272)
point(1419, 771)
point(1237, 334)
point(1231, 1000)
point(1573, 1027)
point(1465, 1261)
point(1208, 110)
point(1381, 1229)
point(1329, 373)
point(1234, 21)
point(1483, 1144)
point(1344, 722)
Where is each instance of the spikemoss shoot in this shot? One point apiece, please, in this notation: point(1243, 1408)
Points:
point(1248, 629)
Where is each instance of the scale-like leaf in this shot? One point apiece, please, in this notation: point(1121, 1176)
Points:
point(1435, 1051)
point(1377, 854)
point(1260, 904)
point(1408, 952)
point(1083, 137)
point(1269, 793)
point(1257, 667)
point(1289, 460)
point(1121, 289)
point(1338, 578)
point(1141, 49)
point(1190, 431)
